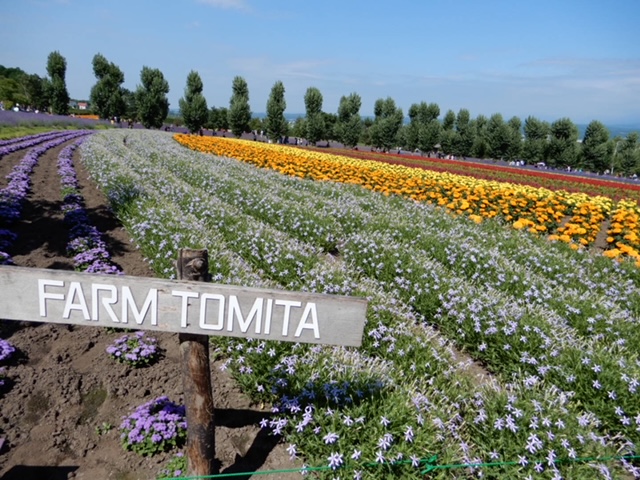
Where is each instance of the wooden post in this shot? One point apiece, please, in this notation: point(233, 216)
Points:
point(196, 376)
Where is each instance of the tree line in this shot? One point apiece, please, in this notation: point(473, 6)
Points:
point(532, 141)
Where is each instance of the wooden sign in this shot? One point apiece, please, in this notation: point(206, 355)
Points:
point(66, 297)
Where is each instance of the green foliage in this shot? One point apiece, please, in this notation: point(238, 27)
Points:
point(177, 467)
point(464, 139)
point(349, 124)
point(56, 87)
point(386, 124)
point(424, 130)
point(218, 118)
point(313, 101)
point(107, 95)
point(193, 106)
point(275, 122)
point(299, 128)
point(562, 149)
point(535, 140)
point(330, 120)
point(315, 127)
point(239, 111)
point(597, 150)
point(627, 152)
point(498, 136)
point(175, 120)
point(449, 120)
point(18, 87)
point(447, 141)
point(103, 428)
point(11, 91)
point(151, 98)
point(256, 124)
point(514, 149)
point(480, 148)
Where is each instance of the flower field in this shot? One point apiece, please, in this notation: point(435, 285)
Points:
point(487, 351)
point(574, 218)
point(552, 180)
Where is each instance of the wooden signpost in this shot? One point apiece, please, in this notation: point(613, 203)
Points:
point(189, 306)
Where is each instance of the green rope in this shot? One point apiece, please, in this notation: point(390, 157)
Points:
point(431, 465)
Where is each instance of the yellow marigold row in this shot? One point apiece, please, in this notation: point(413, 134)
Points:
point(624, 231)
point(574, 218)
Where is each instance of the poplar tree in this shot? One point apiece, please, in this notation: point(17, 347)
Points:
point(349, 124)
point(562, 149)
point(107, 95)
point(56, 85)
point(314, 125)
point(536, 134)
point(597, 150)
point(239, 114)
point(193, 106)
point(276, 105)
point(386, 124)
point(151, 98)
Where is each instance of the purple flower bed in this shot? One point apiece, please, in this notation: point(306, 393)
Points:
point(156, 426)
point(13, 119)
point(13, 195)
point(89, 251)
point(15, 144)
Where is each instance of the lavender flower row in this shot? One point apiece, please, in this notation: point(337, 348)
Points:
point(30, 140)
point(14, 194)
point(89, 251)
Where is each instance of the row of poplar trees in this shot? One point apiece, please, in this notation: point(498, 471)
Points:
point(533, 141)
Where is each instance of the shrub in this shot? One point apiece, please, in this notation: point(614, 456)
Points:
point(157, 426)
point(137, 349)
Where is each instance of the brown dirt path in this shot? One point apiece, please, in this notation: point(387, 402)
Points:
point(62, 385)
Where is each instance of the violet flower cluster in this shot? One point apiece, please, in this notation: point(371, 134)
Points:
point(6, 350)
point(136, 349)
point(14, 194)
point(89, 251)
point(156, 426)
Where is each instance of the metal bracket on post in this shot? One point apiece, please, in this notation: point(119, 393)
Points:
point(196, 376)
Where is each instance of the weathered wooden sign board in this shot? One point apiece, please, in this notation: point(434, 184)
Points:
point(66, 297)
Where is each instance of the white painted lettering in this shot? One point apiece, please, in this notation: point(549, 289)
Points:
point(203, 311)
point(75, 289)
point(106, 301)
point(234, 311)
point(267, 316)
point(43, 295)
point(185, 304)
point(287, 304)
point(309, 311)
point(151, 302)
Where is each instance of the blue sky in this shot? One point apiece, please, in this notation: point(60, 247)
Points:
point(547, 58)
